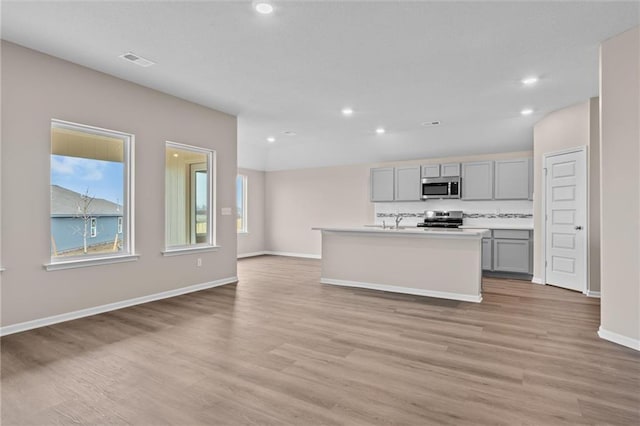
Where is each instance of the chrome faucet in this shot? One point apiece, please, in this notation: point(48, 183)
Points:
point(399, 218)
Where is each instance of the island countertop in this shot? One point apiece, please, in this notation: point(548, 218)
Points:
point(411, 231)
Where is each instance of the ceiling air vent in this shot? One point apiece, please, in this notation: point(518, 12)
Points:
point(138, 60)
point(431, 123)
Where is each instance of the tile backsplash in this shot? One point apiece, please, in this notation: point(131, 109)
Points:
point(498, 212)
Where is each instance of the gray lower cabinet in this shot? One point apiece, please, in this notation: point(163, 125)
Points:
point(511, 255)
point(407, 181)
point(477, 180)
point(511, 179)
point(508, 250)
point(382, 184)
point(512, 250)
point(487, 258)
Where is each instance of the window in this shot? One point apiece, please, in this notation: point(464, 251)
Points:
point(91, 183)
point(189, 195)
point(241, 203)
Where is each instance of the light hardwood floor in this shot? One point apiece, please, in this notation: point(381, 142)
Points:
point(279, 348)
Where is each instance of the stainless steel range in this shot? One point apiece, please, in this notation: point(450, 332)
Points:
point(442, 219)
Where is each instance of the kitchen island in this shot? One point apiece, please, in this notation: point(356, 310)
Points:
point(444, 263)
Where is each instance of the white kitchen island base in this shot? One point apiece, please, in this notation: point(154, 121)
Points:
point(434, 263)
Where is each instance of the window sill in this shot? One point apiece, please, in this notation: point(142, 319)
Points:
point(188, 250)
point(82, 263)
point(242, 232)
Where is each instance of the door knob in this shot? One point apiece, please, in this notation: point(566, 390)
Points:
point(578, 228)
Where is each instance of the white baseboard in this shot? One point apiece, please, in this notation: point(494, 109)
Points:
point(593, 293)
point(404, 290)
point(284, 253)
point(255, 253)
point(43, 322)
point(537, 280)
point(619, 339)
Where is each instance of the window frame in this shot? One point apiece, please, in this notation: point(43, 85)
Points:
point(94, 228)
point(128, 215)
point(210, 244)
point(245, 215)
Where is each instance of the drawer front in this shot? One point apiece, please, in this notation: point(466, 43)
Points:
point(513, 234)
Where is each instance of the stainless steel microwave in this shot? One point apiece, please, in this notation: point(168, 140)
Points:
point(447, 187)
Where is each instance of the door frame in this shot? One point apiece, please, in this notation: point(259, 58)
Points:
point(585, 250)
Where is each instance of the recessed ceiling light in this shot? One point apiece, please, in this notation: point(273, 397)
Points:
point(431, 123)
point(347, 111)
point(271, 139)
point(526, 111)
point(136, 59)
point(289, 133)
point(380, 130)
point(176, 155)
point(263, 6)
point(529, 81)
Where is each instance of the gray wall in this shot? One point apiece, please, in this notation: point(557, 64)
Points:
point(37, 88)
point(298, 200)
point(620, 184)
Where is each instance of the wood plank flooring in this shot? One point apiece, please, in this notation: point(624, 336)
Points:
point(279, 348)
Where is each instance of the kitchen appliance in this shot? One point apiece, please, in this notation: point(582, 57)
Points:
point(441, 219)
point(446, 187)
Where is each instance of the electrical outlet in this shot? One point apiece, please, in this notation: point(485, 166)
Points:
point(199, 262)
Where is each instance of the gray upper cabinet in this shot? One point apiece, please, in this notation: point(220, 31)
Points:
point(408, 186)
point(382, 184)
point(450, 170)
point(477, 180)
point(431, 171)
point(511, 179)
point(441, 170)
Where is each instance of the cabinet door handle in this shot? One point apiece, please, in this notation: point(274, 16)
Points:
point(578, 228)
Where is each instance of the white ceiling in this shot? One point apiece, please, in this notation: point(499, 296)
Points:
point(397, 64)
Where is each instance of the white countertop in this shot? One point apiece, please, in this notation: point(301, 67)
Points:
point(413, 231)
point(496, 226)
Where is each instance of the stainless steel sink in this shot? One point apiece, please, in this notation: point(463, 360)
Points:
point(392, 228)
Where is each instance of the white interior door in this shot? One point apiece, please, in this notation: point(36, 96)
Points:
point(565, 220)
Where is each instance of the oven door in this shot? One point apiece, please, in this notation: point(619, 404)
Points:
point(435, 189)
